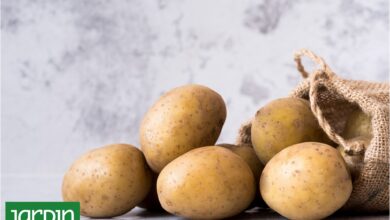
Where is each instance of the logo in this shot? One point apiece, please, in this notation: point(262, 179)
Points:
point(42, 211)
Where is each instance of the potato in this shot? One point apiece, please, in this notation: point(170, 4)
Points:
point(358, 124)
point(184, 118)
point(209, 182)
point(306, 181)
point(151, 202)
point(247, 153)
point(108, 181)
point(282, 123)
point(355, 161)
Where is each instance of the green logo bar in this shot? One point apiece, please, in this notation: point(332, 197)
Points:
point(42, 211)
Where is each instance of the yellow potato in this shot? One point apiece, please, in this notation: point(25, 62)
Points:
point(247, 153)
point(358, 124)
point(355, 161)
point(108, 181)
point(184, 118)
point(282, 123)
point(209, 183)
point(306, 181)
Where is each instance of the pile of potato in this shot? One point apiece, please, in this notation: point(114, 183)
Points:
point(292, 165)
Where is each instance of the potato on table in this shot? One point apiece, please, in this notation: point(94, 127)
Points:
point(182, 119)
point(247, 153)
point(282, 123)
point(306, 181)
point(209, 183)
point(108, 181)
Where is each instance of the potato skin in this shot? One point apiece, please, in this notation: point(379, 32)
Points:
point(306, 181)
point(282, 123)
point(108, 181)
point(357, 125)
point(184, 118)
point(206, 183)
point(248, 154)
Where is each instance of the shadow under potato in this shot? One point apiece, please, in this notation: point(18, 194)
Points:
point(151, 202)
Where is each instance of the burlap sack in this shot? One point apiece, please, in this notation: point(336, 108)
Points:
point(332, 99)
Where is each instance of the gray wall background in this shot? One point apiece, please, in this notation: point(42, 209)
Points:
point(81, 74)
